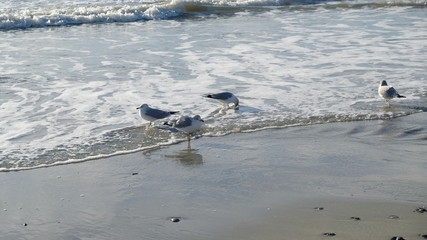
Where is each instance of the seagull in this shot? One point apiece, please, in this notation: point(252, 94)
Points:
point(152, 114)
point(187, 124)
point(388, 92)
point(228, 99)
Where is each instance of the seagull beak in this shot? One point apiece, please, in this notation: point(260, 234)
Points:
point(138, 108)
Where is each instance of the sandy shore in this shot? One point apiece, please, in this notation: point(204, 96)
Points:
point(336, 218)
point(262, 185)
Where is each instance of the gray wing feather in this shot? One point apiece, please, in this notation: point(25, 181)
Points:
point(391, 92)
point(222, 96)
point(156, 113)
point(183, 123)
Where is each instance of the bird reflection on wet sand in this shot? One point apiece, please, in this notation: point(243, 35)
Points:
point(187, 157)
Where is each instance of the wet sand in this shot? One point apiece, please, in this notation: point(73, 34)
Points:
point(336, 218)
point(262, 185)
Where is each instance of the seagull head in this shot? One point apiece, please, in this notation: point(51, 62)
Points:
point(198, 118)
point(142, 106)
point(235, 106)
point(383, 83)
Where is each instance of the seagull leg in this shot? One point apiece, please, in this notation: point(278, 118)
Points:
point(188, 138)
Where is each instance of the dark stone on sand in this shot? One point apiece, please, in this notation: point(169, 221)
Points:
point(355, 218)
point(25, 224)
point(329, 234)
point(135, 173)
point(420, 210)
point(393, 217)
point(397, 238)
point(175, 219)
point(424, 236)
point(319, 208)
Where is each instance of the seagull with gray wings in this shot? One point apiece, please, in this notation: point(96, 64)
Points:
point(152, 114)
point(228, 99)
point(388, 92)
point(187, 124)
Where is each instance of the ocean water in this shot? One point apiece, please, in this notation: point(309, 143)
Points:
point(72, 72)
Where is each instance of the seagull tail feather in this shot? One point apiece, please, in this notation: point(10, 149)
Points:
point(174, 112)
point(400, 96)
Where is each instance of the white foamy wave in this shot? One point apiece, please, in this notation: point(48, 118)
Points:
point(85, 15)
point(76, 15)
point(53, 16)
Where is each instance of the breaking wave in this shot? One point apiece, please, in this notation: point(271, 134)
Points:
point(77, 15)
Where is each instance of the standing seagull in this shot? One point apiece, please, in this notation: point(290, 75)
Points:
point(187, 124)
point(388, 92)
point(151, 114)
point(228, 99)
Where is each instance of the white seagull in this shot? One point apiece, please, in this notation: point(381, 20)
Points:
point(228, 99)
point(152, 114)
point(187, 124)
point(388, 92)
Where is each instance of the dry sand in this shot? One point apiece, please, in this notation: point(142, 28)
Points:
point(262, 185)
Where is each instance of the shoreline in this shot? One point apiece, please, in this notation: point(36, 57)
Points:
point(235, 187)
point(184, 141)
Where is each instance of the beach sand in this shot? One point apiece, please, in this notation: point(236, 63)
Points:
point(338, 219)
point(261, 185)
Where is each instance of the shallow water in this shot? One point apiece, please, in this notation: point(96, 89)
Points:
point(69, 92)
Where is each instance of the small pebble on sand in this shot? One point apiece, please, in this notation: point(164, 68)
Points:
point(329, 234)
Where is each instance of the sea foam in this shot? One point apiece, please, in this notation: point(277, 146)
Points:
point(22, 16)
